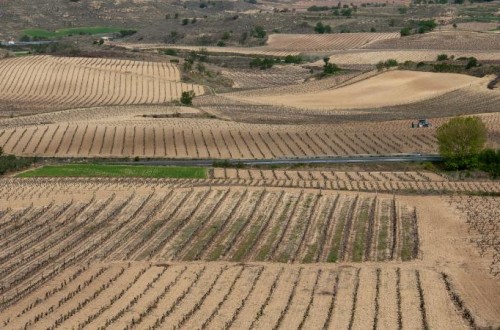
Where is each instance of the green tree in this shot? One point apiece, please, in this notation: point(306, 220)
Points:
point(329, 68)
point(259, 32)
point(321, 28)
point(472, 62)
point(1, 151)
point(426, 25)
point(390, 63)
point(460, 141)
point(187, 97)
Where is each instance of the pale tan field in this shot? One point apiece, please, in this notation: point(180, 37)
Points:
point(60, 82)
point(448, 41)
point(472, 26)
point(324, 42)
point(412, 182)
point(283, 44)
point(386, 89)
point(262, 51)
point(115, 252)
point(372, 56)
point(208, 138)
point(178, 132)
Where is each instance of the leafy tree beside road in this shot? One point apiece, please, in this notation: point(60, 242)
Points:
point(461, 141)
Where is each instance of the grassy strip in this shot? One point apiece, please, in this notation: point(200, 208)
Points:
point(40, 33)
point(360, 236)
point(383, 235)
point(337, 236)
point(95, 170)
point(408, 236)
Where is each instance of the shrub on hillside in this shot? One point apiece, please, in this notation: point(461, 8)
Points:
point(187, 97)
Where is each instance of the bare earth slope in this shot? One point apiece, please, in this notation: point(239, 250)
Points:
point(387, 89)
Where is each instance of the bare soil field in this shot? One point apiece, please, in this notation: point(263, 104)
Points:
point(443, 40)
point(233, 224)
point(179, 132)
point(472, 26)
point(402, 182)
point(325, 42)
point(206, 138)
point(57, 83)
point(387, 89)
point(236, 296)
point(262, 51)
point(282, 44)
point(277, 76)
point(304, 4)
point(365, 56)
point(113, 254)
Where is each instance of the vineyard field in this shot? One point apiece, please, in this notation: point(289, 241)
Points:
point(325, 42)
point(444, 41)
point(88, 82)
point(373, 56)
point(134, 252)
point(234, 296)
point(232, 224)
point(282, 44)
point(203, 139)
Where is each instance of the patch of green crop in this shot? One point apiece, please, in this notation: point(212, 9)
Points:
point(96, 170)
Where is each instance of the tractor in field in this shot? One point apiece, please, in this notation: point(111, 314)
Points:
point(421, 123)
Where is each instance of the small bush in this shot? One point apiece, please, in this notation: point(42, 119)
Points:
point(318, 8)
point(126, 33)
point(170, 51)
point(290, 59)
point(329, 68)
point(489, 161)
point(390, 63)
point(187, 97)
point(442, 57)
point(259, 32)
point(406, 31)
point(426, 26)
point(263, 64)
point(10, 163)
point(472, 62)
point(321, 28)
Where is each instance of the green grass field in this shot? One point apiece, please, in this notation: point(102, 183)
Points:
point(95, 170)
point(44, 34)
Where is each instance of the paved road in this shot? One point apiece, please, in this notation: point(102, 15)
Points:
point(397, 158)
